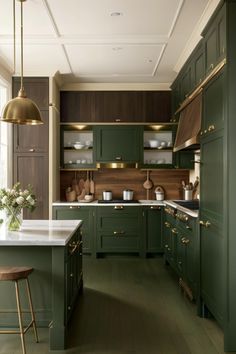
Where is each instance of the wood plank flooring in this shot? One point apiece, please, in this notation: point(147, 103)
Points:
point(130, 306)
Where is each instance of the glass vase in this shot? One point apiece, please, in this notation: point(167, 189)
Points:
point(14, 219)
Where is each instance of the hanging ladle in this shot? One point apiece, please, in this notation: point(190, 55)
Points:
point(148, 183)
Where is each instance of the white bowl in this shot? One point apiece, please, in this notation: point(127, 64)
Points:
point(78, 146)
point(154, 143)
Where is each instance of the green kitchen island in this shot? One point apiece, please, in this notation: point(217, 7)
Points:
point(54, 249)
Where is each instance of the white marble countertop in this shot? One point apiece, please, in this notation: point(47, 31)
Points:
point(95, 203)
point(39, 233)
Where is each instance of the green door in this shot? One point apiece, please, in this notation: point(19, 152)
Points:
point(211, 217)
point(153, 229)
point(118, 143)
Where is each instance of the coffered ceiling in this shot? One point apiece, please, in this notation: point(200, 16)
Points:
point(126, 41)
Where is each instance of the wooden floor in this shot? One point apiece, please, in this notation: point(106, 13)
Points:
point(130, 306)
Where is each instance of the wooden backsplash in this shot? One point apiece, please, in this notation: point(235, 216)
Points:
point(117, 180)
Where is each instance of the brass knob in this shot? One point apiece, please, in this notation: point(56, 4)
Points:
point(212, 66)
point(118, 158)
point(201, 133)
point(167, 224)
point(118, 207)
point(205, 131)
point(166, 246)
point(71, 275)
point(155, 207)
point(211, 128)
point(117, 120)
point(31, 150)
point(174, 231)
point(205, 224)
point(118, 233)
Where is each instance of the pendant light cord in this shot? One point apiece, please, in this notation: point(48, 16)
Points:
point(14, 36)
point(21, 33)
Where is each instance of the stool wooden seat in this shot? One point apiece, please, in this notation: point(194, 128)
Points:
point(16, 274)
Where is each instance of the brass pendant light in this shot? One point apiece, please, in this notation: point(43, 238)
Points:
point(21, 110)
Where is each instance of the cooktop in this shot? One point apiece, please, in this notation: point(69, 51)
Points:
point(189, 204)
point(118, 201)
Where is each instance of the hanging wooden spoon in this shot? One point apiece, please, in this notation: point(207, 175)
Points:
point(148, 183)
point(87, 184)
point(92, 186)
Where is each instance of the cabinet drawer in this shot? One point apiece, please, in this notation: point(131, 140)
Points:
point(109, 242)
point(121, 220)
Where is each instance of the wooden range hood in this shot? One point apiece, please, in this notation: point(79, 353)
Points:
point(187, 136)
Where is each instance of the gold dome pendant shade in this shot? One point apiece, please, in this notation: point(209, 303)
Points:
point(21, 110)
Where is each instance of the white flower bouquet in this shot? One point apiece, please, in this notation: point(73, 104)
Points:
point(13, 201)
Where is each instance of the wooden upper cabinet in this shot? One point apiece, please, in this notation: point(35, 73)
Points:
point(77, 106)
point(118, 106)
point(33, 138)
point(157, 106)
point(37, 89)
point(115, 106)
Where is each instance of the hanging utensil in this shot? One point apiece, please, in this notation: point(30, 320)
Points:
point(92, 186)
point(87, 184)
point(148, 184)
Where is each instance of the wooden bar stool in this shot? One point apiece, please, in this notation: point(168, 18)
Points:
point(15, 274)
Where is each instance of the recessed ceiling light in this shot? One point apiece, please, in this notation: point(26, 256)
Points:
point(148, 60)
point(116, 14)
point(117, 48)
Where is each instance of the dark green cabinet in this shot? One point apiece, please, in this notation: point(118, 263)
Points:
point(118, 143)
point(73, 272)
point(119, 229)
point(152, 229)
point(215, 40)
point(73, 158)
point(188, 251)
point(87, 214)
point(211, 219)
point(181, 246)
point(184, 160)
point(198, 65)
point(213, 105)
point(169, 236)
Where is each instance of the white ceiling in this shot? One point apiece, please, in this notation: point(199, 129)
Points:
point(147, 43)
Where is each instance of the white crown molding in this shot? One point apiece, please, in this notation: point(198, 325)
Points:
point(196, 34)
point(177, 14)
point(115, 86)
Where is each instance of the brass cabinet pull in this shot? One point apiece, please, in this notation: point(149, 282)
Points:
point(73, 246)
point(118, 207)
point(31, 150)
point(211, 128)
point(212, 66)
point(118, 158)
point(205, 223)
point(185, 241)
point(155, 207)
point(117, 233)
point(205, 131)
point(174, 231)
point(188, 227)
point(74, 207)
point(71, 275)
point(167, 224)
point(117, 120)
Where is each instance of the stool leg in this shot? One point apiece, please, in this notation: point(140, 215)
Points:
point(32, 311)
point(20, 317)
